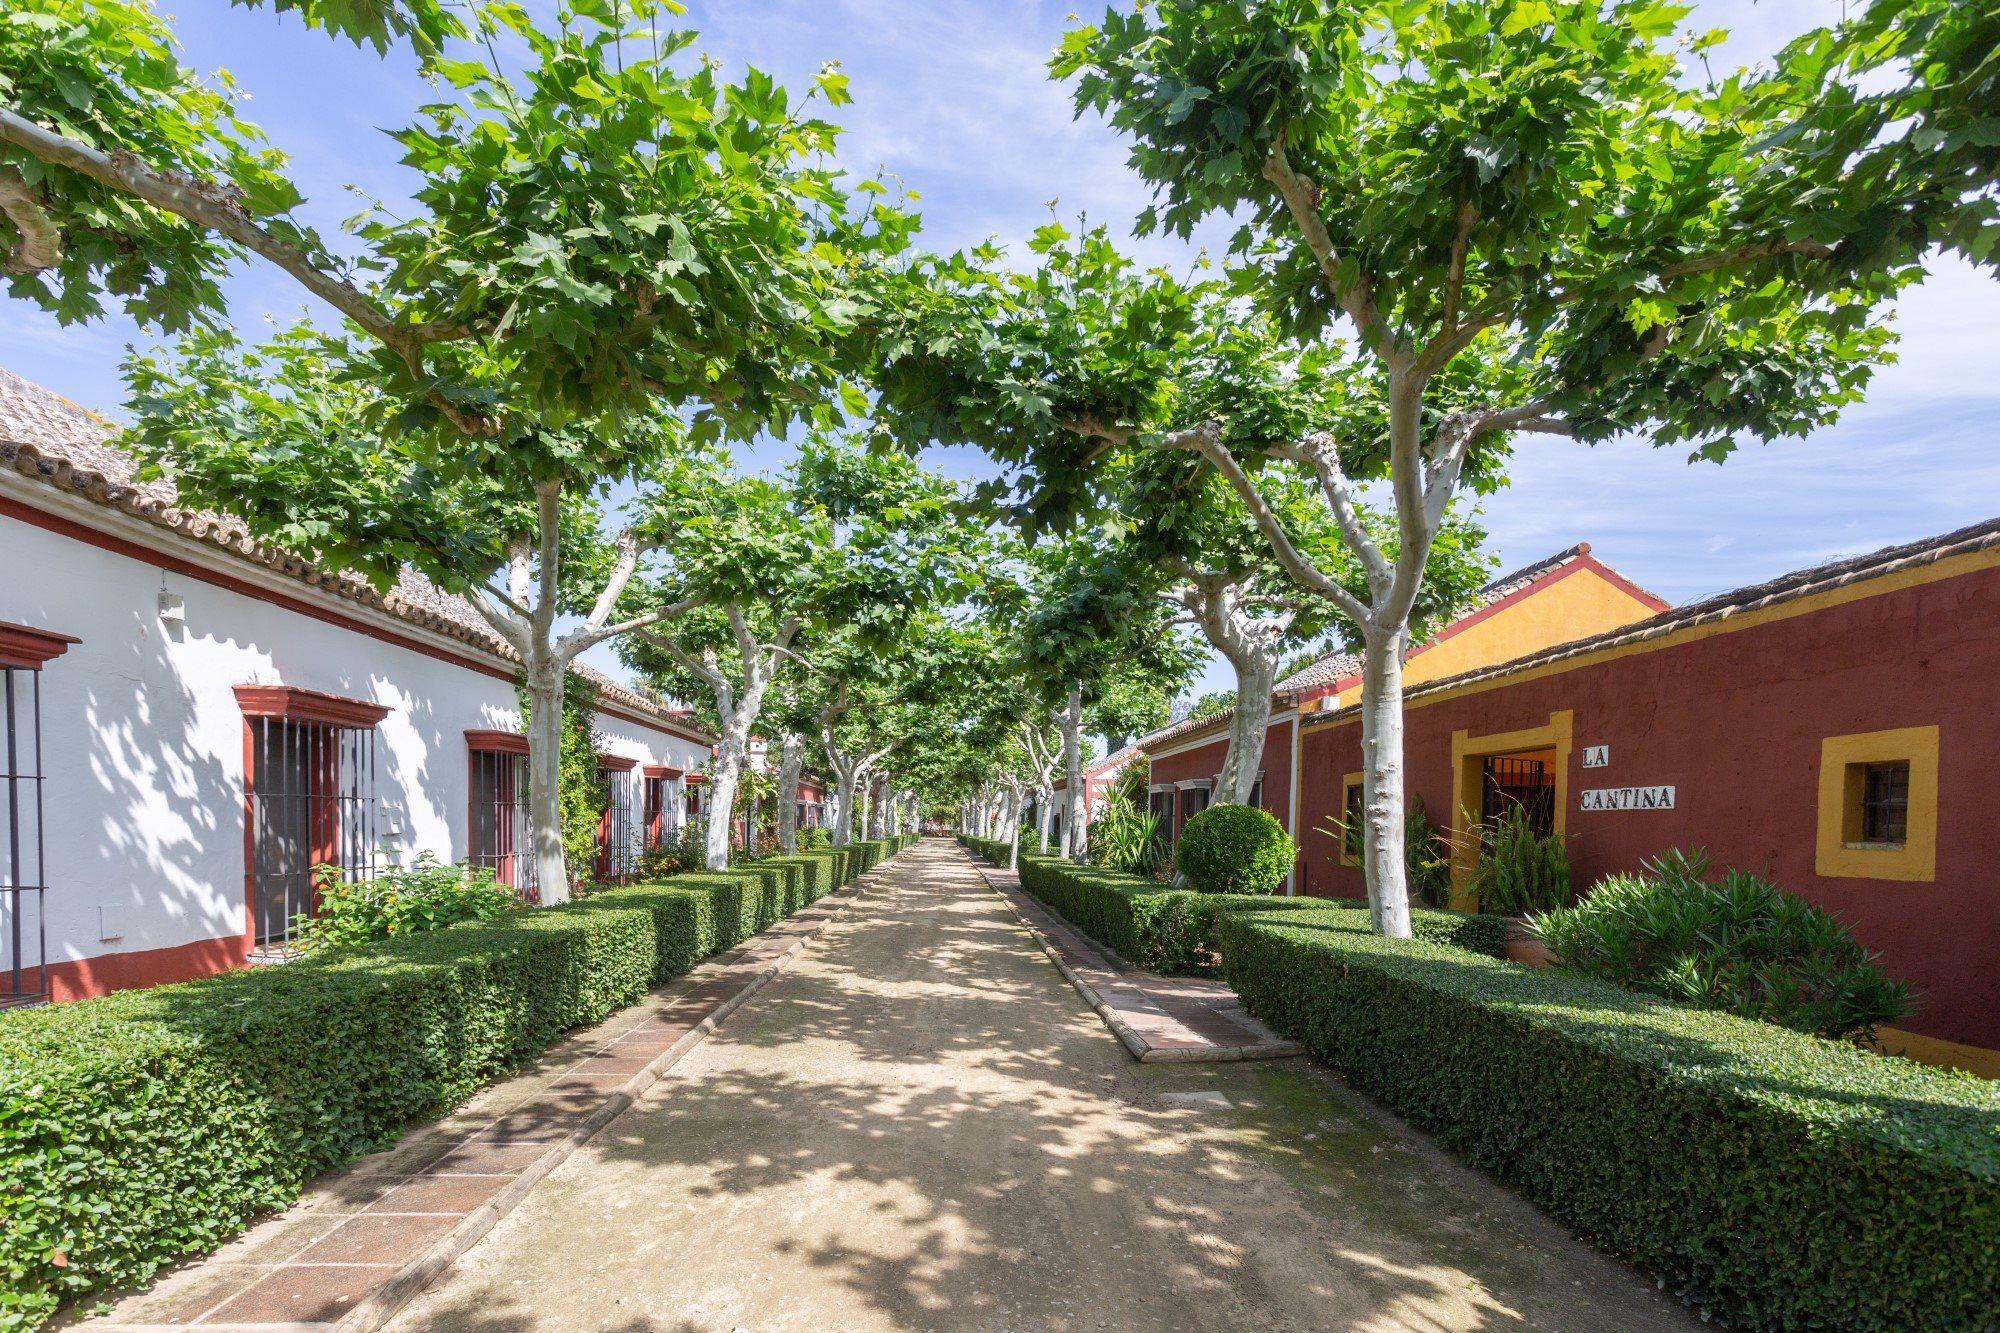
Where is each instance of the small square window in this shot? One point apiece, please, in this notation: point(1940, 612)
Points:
point(1885, 803)
point(1878, 805)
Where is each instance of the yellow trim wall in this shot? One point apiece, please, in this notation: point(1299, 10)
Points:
point(1749, 618)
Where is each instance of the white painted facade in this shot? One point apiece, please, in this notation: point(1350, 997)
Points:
point(144, 739)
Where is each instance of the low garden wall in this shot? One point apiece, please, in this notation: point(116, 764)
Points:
point(1776, 1180)
point(1178, 931)
point(150, 1125)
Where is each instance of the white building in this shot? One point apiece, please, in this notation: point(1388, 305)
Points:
point(189, 722)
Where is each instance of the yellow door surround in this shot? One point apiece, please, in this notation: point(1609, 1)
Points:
point(1344, 853)
point(1468, 766)
point(1837, 851)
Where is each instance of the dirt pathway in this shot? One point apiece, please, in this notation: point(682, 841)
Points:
point(919, 1125)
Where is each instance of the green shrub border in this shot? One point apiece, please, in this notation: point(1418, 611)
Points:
point(1775, 1180)
point(150, 1125)
point(1178, 931)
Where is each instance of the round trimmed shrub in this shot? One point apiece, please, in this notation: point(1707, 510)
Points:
point(1234, 849)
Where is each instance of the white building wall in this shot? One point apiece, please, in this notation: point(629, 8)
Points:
point(143, 736)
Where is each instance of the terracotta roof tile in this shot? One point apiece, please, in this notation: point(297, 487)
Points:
point(47, 438)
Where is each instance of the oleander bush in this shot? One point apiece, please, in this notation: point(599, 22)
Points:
point(1775, 1180)
point(150, 1125)
point(1739, 943)
point(1234, 849)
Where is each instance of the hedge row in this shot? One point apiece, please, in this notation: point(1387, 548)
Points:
point(1773, 1179)
point(1177, 931)
point(149, 1125)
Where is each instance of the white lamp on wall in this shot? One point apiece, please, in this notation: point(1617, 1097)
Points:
point(173, 609)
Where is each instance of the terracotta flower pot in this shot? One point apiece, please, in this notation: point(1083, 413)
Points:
point(1524, 946)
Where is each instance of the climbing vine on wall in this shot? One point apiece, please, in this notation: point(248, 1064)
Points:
point(580, 789)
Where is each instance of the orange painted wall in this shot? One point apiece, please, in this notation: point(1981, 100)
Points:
point(1574, 602)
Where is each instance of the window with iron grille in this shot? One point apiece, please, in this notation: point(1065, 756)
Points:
point(1515, 780)
point(500, 836)
point(656, 806)
point(24, 879)
point(1885, 803)
point(309, 801)
point(312, 804)
point(615, 853)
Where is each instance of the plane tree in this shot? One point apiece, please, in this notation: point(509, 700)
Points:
point(833, 555)
point(1531, 201)
point(1537, 187)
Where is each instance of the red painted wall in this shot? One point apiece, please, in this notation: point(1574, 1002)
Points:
point(1735, 721)
point(1205, 761)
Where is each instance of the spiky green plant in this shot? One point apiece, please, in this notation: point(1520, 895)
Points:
point(1520, 870)
point(1739, 943)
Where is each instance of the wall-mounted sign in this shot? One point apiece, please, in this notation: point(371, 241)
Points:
point(1596, 756)
point(1629, 798)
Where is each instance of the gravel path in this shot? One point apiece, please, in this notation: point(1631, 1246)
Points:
point(919, 1125)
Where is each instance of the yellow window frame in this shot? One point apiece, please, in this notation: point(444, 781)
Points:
point(1837, 853)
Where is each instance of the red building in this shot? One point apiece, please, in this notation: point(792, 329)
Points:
point(1835, 729)
point(1566, 596)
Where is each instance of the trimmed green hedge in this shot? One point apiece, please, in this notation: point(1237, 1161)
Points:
point(1774, 1179)
point(1177, 931)
point(150, 1125)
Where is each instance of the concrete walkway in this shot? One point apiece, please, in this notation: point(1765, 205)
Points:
point(920, 1125)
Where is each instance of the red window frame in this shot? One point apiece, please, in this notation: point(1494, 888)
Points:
point(512, 858)
point(610, 828)
point(321, 719)
point(656, 776)
point(24, 651)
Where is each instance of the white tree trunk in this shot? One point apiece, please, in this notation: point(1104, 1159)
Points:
point(791, 758)
point(1382, 782)
point(544, 687)
point(1014, 826)
point(1045, 808)
point(878, 809)
point(723, 773)
point(1075, 843)
point(1256, 674)
point(840, 826)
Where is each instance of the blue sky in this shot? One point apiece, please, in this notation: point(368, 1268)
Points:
point(951, 95)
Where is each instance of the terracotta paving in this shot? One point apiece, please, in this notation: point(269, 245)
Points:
point(1159, 1019)
point(364, 1239)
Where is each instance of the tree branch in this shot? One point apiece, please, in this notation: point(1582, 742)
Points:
point(1320, 452)
point(219, 208)
point(40, 244)
point(548, 519)
point(1454, 283)
point(629, 548)
point(1356, 299)
point(670, 611)
point(1206, 441)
